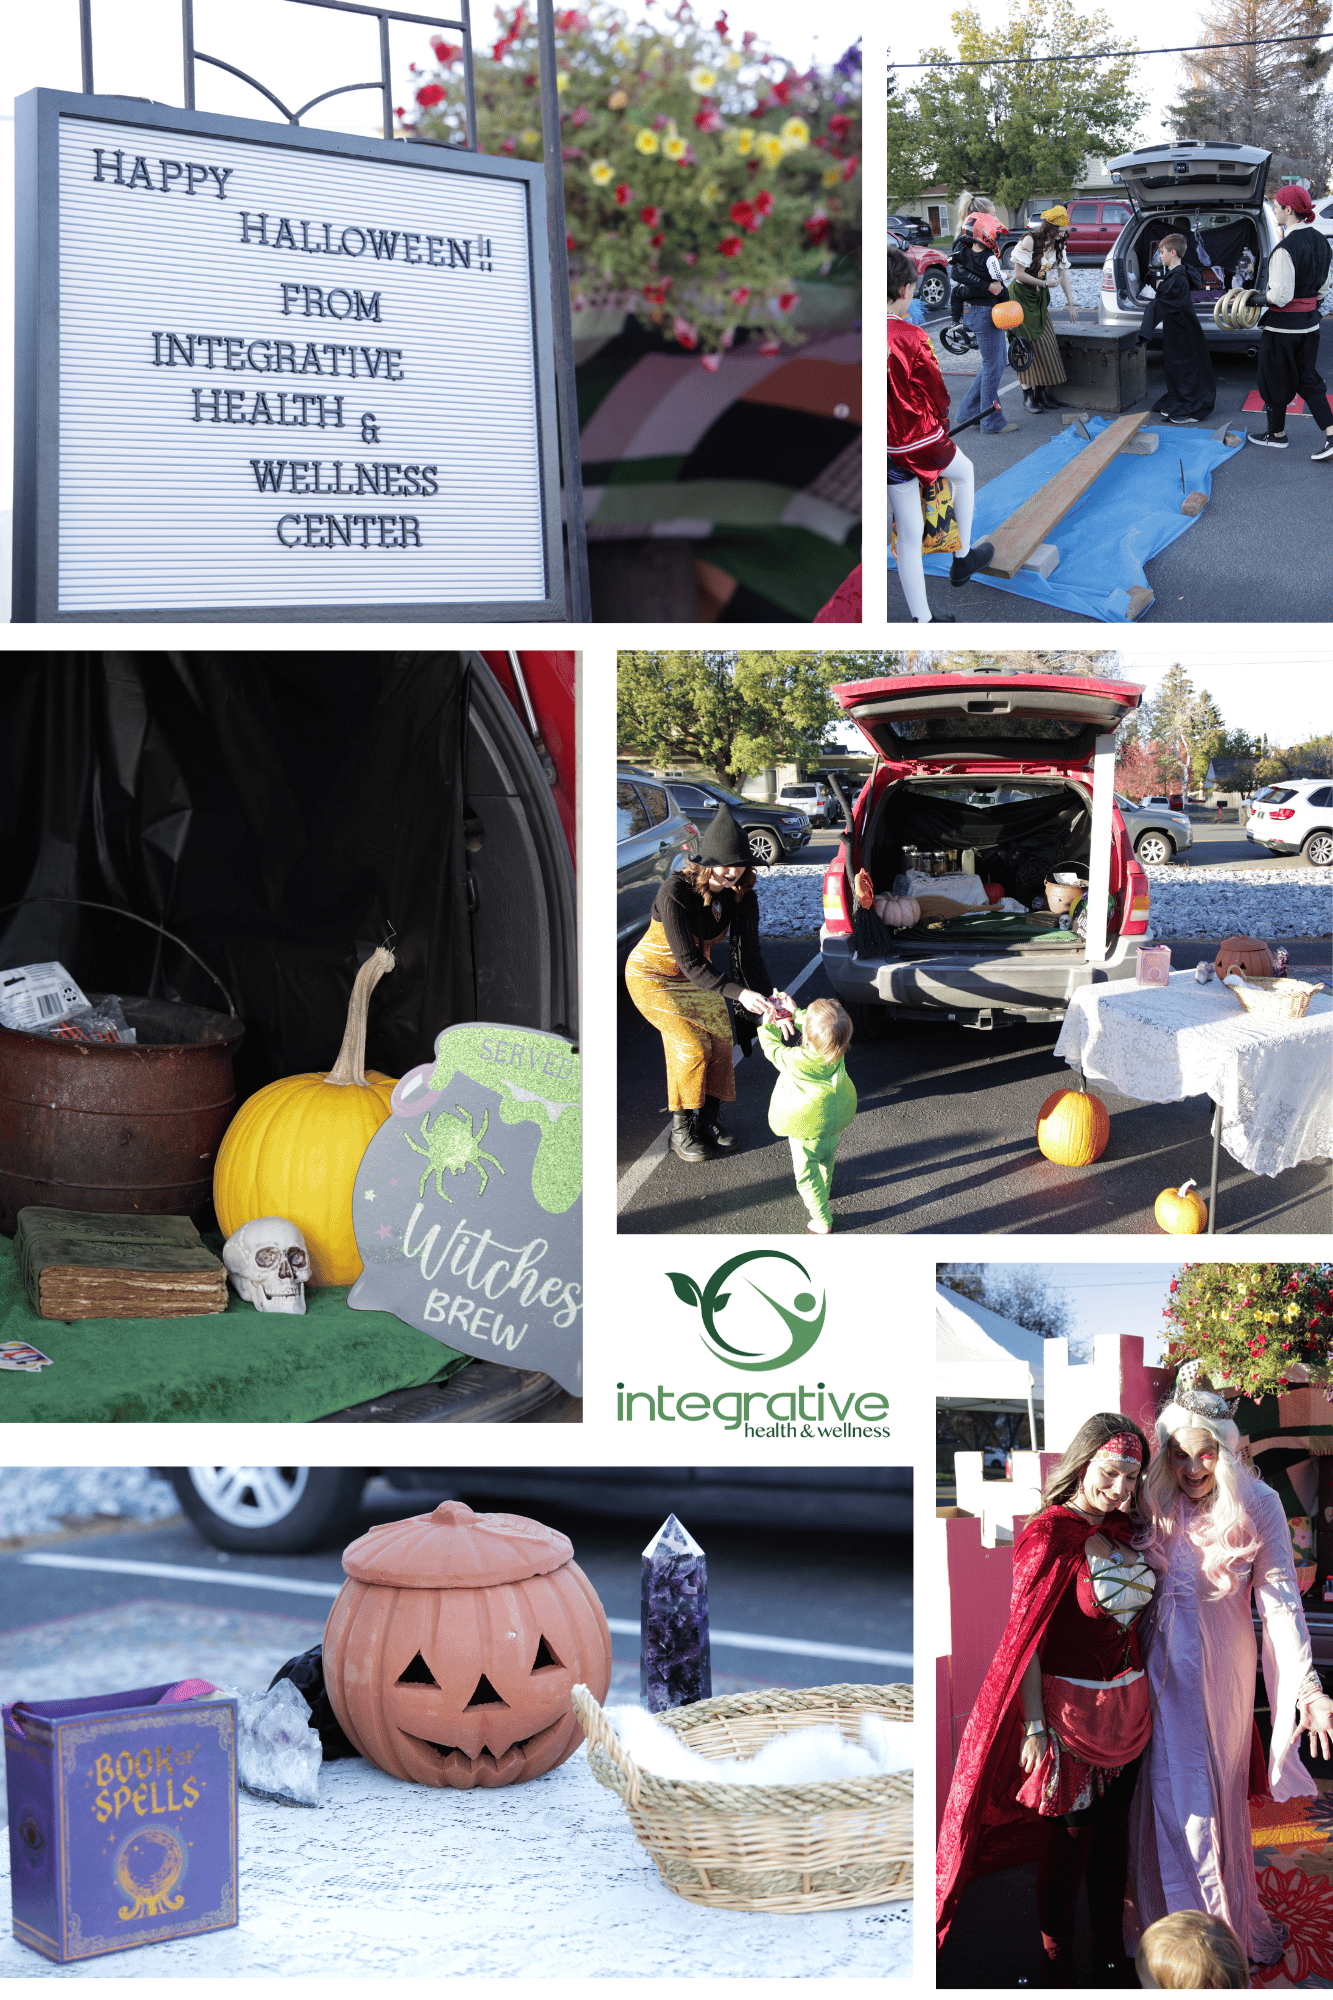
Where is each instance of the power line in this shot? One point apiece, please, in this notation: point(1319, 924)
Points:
point(1111, 55)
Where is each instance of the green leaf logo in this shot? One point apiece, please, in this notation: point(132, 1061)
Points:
point(801, 1332)
point(685, 1288)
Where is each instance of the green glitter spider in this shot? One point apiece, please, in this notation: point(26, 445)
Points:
point(452, 1146)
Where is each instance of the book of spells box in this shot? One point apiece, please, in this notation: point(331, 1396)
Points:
point(122, 1820)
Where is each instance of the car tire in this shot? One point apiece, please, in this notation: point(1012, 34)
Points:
point(764, 846)
point(869, 1023)
point(933, 288)
point(270, 1510)
point(1154, 848)
point(1318, 848)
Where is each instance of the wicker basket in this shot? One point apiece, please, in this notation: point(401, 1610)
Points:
point(782, 1848)
point(1276, 999)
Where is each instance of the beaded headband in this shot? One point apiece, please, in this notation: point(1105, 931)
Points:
point(1123, 1446)
point(1204, 1402)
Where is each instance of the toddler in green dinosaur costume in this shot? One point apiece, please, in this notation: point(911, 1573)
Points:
point(814, 1099)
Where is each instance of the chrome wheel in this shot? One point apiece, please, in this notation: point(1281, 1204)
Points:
point(1154, 848)
point(764, 846)
point(1319, 849)
point(250, 1496)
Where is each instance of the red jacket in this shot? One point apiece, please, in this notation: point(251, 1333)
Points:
point(918, 399)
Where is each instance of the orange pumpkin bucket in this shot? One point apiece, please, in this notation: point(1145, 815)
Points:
point(453, 1649)
point(1007, 315)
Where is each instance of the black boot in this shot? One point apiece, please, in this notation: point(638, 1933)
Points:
point(684, 1140)
point(708, 1127)
point(962, 567)
point(1048, 401)
point(1030, 403)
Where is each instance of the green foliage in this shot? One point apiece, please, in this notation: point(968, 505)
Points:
point(734, 713)
point(705, 179)
point(1013, 132)
point(1250, 1323)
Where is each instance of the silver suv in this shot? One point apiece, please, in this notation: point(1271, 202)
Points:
point(1295, 817)
point(653, 838)
point(1156, 833)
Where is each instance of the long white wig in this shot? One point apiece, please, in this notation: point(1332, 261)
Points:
point(1221, 1528)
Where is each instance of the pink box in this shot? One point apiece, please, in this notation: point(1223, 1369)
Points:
point(1152, 965)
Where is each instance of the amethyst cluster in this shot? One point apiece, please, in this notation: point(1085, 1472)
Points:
point(674, 1663)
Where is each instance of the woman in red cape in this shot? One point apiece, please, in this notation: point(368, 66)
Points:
point(1069, 1658)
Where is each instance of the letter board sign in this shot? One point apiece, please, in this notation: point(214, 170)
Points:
point(271, 373)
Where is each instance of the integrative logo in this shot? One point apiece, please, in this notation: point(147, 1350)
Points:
point(758, 1337)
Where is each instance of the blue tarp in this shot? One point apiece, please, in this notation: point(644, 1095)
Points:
point(1129, 514)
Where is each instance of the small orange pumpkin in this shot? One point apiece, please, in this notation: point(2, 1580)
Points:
point(452, 1651)
point(1073, 1127)
point(1007, 315)
point(1181, 1211)
point(1248, 956)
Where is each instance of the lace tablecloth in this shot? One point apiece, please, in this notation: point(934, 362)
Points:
point(1273, 1079)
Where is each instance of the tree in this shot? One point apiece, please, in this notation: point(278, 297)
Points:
point(1266, 92)
point(1187, 727)
point(1095, 665)
point(734, 713)
point(1138, 770)
point(1020, 1292)
point(706, 178)
point(1015, 129)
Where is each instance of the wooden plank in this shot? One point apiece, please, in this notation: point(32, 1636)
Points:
point(1031, 524)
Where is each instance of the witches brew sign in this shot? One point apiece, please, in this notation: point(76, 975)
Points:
point(270, 372)
point(468, 1206)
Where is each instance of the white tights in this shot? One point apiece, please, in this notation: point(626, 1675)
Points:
point(905, 504)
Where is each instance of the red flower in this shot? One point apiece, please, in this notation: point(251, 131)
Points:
point(570, 244)
point(763, 202)
point(709, 120)
point(749, 38)
point(720, 25)
point(429, 95)
point(652, 216)
point(624, 195)
point(656, 294)
point(690, 257)
point(786, 300)
point(742, 214)
point(661, 122)
point(712, 362)
point(657, 240)
point(817, 227)
point(780, 92)
point(684, 332)
point(840, 124)
point(850, 168)
point(580, 115)
point(1305, 1904)
point(731, 246)
point(740, 295)
point(506, 145)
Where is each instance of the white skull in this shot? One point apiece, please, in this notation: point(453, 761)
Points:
point(268, 1264)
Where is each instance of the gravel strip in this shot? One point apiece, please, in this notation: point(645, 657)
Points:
point(1186, 902)
point(40, 1500)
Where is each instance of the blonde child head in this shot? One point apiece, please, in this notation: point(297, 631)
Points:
point(828, 1029)
point(1191, 1949)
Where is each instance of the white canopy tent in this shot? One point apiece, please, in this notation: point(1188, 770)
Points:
point(986, 1362)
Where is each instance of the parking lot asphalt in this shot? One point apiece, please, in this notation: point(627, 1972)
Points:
point(1228, 568)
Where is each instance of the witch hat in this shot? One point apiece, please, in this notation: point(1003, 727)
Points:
point(725, 845)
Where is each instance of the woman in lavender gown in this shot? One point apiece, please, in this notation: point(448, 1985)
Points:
point(1216, 1535)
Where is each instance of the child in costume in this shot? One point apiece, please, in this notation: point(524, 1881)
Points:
point(1300, 277)
point(978, 286)
point(1191, 1949)
point(920, 448)
point(1190, 390)
point(814, 1099)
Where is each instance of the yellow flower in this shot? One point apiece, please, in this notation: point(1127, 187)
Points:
point(709, 193)
point(741, 142)
point(528, 138)
point(733, 61)
point(561, 85)
point(601, 172)
point(830, 177)
point(702, 80)
point(675, 147)
point(770, 148)
point(645, 141)
point(617, 101)
point(623, 46)
point(797, 134)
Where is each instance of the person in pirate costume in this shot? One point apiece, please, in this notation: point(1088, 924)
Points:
point(1047, 1764)
point(1218, 1540)
point(674, 984)
point(920, 449)
point(1040, 260)
point(1300, 276)
point(1190, 390)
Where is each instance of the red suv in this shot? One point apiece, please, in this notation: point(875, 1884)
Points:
point(1094, 228)
point(932, 271)
point(1001, 767)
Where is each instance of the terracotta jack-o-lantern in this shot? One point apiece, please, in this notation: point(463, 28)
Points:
point(453, 1648)
point(1248, 956)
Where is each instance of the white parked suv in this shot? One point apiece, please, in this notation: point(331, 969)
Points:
point(813, 798)
point(1295, 817)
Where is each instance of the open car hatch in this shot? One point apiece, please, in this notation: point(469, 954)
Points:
point(1156, 177)
point(921, 719)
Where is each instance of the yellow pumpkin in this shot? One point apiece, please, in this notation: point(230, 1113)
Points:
point(293, 1149)
point(1073, 1127)
point(1181, 1211)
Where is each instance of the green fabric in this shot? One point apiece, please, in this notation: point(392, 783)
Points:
point(743, 503)
point(794, 569)
point(240, 1366)
point(1004, 927)
point(813, 1166)
point(813, 1099)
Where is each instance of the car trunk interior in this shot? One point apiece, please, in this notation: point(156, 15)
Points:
point(1020, 831)
point(1230, 244)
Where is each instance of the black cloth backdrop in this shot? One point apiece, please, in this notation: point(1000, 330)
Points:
point(282, 813)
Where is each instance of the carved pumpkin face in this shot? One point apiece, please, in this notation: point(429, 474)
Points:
point(452, 1650)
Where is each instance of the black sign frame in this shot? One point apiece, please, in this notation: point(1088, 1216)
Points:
point(37, 360)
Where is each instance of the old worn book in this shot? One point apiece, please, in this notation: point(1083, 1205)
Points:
point(95, 1266)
